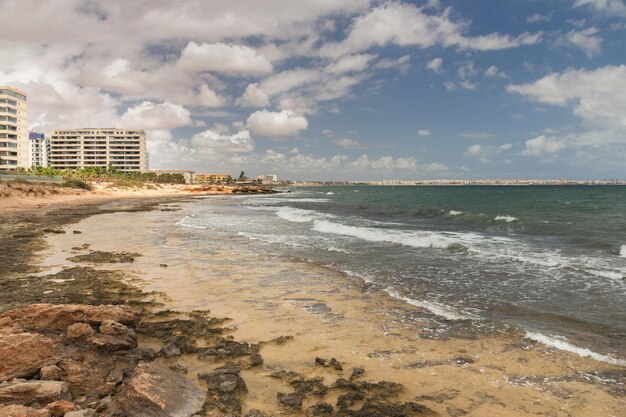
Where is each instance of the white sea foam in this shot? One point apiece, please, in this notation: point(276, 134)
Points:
point(438, 309)
point(454, 213)
point(507, 219)
point(560, 344)
point(330, 193)
point(416, 239)
point(622, 251)
point(297, 215)
point(186, 222)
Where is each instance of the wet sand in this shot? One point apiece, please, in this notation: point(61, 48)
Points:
point(330, 315)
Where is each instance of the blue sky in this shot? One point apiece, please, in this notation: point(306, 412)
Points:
point(343, 89)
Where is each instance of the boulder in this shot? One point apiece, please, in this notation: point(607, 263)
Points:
point(24, 355)
point(29, 392)
point(89, 412)
point(21, 411)
point(59, 408)
point(225, 388)
point(114, 336)
point(50, 373)
point(156, 391)
point(79, 331)
point(46, 317)
point(291, 401)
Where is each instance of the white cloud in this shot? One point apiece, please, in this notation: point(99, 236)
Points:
point(543, 146)
point(290, 79)
point(223, 58)
point(347, 143)
point(539, 18)
point(494, 72)
point(476, 135)
point(401, 64)
point(435, 65)
point(276, 124)
point(152, 116)
point(253, 97)
point(610, 7)
point(403, 25)
point(423, 132)
point(598, 96)
point(587, 40)
point(485, 154)
point(218, 142)
point(350, 63)
point(468, 85)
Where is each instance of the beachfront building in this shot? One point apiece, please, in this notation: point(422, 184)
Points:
point(13, 128)
point(189, 175)
point(212, 178)
point(38, 150)
point(267, 179)
point(124, 150)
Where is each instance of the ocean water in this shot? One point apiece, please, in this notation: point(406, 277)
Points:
point(548, 261)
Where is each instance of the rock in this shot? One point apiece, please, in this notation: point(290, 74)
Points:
point(59, 408)
point(114, 336)
point(156, 391)
point(357, 373)
point(21, 411)
point(291, 401)
point(320, 361)
point(27, 352)
point(256, 413)
point(79, 331)
point(29, 392)
point(226, 349)
point(50, 373)
point(170, 350)
point(89, 412)
point(322, 409)
point(334, 363)
point(47, 317)
point(77, 232)
point(225, 388)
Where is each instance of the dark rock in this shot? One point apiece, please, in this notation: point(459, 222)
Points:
point(256, 413)
point(462, 360)
point(319, 361)
point(322, 409)
point(179, 368)
point(97, 257)
point(349, 399)
point(29, 392)
point(225, 388)
point(291, 401)
point(439, 396)
point(384, 409)
point(225, 349)
point(334, 363)
point(169, 350)
point(77, 232)
point(357, 373)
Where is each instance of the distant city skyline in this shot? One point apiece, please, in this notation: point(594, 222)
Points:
point(335, 90)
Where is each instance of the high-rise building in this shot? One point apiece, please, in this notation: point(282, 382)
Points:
point(13, 128)
point(39, 149)
point(124, 150)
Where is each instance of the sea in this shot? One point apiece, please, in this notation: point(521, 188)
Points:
point(546, 261)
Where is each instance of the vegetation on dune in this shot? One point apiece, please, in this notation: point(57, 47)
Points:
point(109, 174)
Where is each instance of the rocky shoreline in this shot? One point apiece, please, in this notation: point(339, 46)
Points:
point(86, 341)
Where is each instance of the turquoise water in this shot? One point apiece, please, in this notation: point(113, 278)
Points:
point(549, 260)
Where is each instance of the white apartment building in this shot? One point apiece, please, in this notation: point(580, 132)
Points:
point(39, 149)
point(85, 148)
point(13, 128)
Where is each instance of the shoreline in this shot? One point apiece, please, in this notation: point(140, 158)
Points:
point(334, 316)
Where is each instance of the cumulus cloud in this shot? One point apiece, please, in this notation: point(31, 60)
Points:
point(223, 58)
point(152, 116)
point(539, 18)
point(484, 153)
point(253, 97)
point(220, 143)
point(276, 124)
point(423, 132)
point(587, 40)
point(347, 143)
point(350, 63)
point(543, 146)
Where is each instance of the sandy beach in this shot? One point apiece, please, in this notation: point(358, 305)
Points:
point(297, 316)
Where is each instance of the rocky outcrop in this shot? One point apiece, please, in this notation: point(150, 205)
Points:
point(225, 388)
point(50, 317)
point(156, 391)
point(22, 392)
point(22, 411)
point(22, 355)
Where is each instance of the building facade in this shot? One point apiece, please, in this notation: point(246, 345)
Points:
point(39, 150)
point(212, 178)
point(188, 175)
point(124, 150)
point(13, 128)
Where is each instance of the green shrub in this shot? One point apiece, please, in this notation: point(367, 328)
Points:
point(76, 183)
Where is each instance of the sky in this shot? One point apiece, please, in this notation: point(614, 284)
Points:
point(334, 89)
